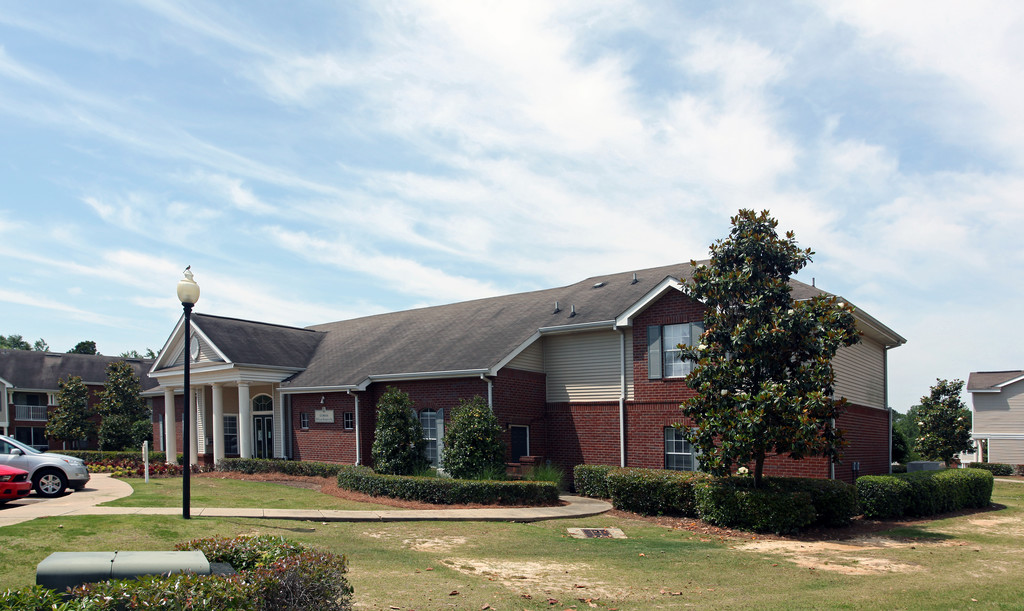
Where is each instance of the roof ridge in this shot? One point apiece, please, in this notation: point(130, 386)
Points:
point(256, 322)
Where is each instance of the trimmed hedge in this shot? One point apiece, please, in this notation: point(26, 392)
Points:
point(447, 491)
point(998, 469)
point(272, 574)
point(781, 505)
point(592, 480)
point(924, 493)
point(274, 465)
point(654, 491)
point(101, 457)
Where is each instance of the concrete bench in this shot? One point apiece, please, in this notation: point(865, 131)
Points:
point(62, 570)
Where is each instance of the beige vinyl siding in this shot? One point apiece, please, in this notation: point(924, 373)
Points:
point(860, 373)
point(583, 366)
point(629, 363)
point(1007, 451)
point(1001, 412)
point(530, 359)
point(206, 353)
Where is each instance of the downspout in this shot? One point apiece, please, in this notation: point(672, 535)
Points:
point(490, 391)
point(622, 398)
point(832, 463)
point(359, 433)
point(885, 398)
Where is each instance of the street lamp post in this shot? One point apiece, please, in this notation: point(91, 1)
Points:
point(188, 294)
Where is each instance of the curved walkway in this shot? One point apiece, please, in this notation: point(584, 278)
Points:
point(103, 488)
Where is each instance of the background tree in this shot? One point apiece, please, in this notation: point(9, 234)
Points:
point(473, 445)
point(906, 425)
point(84, 347)
point(127, 422)
point(900, 448)
point(763, 376)
point(17, 342)
point(70, 422)
point(398, 444)
point(945, 422)
point(40, 345)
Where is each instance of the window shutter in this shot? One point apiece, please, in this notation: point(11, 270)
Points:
point(654, 352)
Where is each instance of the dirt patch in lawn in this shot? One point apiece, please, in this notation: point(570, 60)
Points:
point(435, 544)
point(549, 576)
point(846, 557)
point(329, 486)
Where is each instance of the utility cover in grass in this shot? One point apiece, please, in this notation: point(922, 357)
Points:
point(596, 533)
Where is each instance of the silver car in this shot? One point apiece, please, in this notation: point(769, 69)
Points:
point(51, 474)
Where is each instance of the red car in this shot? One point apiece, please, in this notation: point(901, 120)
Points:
point(14, 483)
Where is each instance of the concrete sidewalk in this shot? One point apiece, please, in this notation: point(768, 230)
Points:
point(104, 488)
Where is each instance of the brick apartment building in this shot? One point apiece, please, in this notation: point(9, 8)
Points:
point(586, 373)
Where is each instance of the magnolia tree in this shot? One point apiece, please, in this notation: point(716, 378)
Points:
point(473, 446)
point(944, 422)
point(398, 444)
point(127, 422)
point(763, 376)
point(70, 422)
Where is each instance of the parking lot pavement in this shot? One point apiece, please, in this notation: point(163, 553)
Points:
point(101, 488)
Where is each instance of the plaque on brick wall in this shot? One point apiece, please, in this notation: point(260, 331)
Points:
point(323, 416)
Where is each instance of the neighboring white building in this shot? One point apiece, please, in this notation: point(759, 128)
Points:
point(997, 399)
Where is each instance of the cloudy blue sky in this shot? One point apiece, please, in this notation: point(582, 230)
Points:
point(315, 161)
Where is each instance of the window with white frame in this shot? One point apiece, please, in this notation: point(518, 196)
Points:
point(679, 454)
point(262, 403)
point(304, 420)
point(432, 422)
point(230, 433)
point(663, 352)
point(349, 419)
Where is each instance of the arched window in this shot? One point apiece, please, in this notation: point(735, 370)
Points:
point(262, 403)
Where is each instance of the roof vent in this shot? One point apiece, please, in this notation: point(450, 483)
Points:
point(557, 309)
point(634, 279)
point(572, 312)
point(599, 285)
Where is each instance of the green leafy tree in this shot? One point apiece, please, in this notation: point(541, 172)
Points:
point(84, 347)
point(398, 444)
point(763, 377)
point(14, 342)
point(900, 449)
point(473, 444)
point(70, 422)
point(945, 422)
point(906, 425)
point(40, 345)
point(127, 422)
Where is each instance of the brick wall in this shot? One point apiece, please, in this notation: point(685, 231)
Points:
point(867, 431)
point(674, 308)
point(323, 441)
point(519, 398)
point(583, 433)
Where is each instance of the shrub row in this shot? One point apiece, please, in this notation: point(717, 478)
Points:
point(447, 491)
point(272, 574)
point(924, 493)
point(92, 457)
point(781, 505)
point(996, 468)
point(288, 467)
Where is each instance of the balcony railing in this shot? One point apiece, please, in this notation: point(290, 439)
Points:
point(35, 413)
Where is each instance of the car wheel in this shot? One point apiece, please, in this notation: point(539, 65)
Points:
point(50, 483)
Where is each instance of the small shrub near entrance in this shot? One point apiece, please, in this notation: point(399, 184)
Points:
point(447, 491)
point(592, 480)
point(473, 444)
point(654, 491)
point(398, 444)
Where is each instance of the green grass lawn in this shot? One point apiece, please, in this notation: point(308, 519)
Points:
point(966, 562)
point(216, 492)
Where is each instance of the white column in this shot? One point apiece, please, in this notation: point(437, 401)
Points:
point(193, 442)
point(218, 423)
point(170, 430)
point(244, 421)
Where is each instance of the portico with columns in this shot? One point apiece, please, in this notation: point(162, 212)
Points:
point(236, 408)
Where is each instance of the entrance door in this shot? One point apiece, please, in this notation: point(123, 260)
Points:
point(520, 442)
point(263, 431)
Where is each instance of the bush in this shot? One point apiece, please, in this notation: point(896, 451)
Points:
point(447, 491)
point(998, 469)
point(546, 473)
point(592, 480)
point(93, 457)
point(653, 491)
point(924, 493)
point(898, 468)
point(273, 465)
point(779, 506)
point(473, 441)
point(398, 445)
point(272, 574)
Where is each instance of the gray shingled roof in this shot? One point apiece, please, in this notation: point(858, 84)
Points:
point(33, 370)
point(473, 335)
point(256, 343)
point(988, 380)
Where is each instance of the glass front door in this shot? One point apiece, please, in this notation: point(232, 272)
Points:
point(263, 433)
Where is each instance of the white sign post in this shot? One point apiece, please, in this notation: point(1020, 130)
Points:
point(145, 458)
